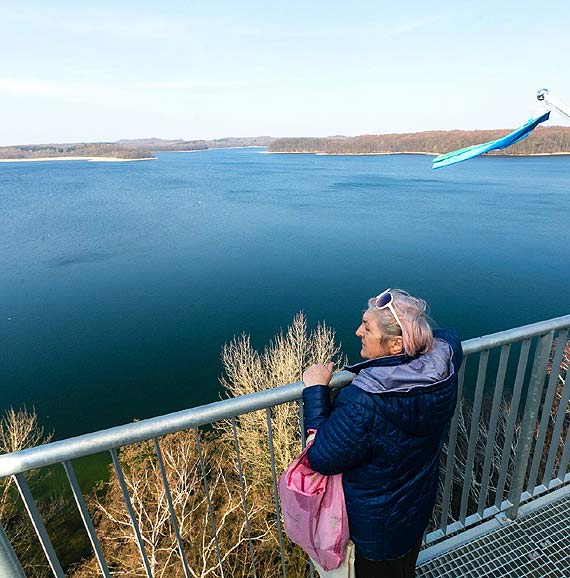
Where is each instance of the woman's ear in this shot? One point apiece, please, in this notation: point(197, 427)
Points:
point(396, 345)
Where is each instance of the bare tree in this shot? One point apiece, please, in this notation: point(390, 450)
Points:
point(20, 429)
point(282, 361)
point(148, 496)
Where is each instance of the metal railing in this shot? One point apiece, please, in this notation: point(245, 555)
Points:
point(509, 443)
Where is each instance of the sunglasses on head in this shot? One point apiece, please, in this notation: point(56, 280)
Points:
point(385, 300)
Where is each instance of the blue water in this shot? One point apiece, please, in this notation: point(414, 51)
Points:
point(121, 282)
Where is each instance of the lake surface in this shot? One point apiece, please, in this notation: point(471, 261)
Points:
point(120, 282)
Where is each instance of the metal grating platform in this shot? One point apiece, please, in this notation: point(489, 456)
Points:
point(536, 545)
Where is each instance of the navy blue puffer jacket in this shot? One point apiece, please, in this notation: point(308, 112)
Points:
point(384, 433)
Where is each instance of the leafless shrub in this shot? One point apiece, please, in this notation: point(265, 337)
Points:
point(19, 429)
point(282, 361)
point(148, 497)
point(248, 371)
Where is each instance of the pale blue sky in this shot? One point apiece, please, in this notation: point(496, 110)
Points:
point(77, 71)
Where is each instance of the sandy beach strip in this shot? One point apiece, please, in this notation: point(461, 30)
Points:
point(321, 154)
point(89, 159)
point(376, 154)
point(213, 149)
point(288, 153)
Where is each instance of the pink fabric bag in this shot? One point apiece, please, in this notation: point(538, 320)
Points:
point(314, 511)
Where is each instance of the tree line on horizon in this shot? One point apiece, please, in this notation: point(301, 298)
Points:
point(126, 148)
point(72, 150)
point(166, 145)
point(544, 140)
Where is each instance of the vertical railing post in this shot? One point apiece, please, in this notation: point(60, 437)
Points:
point(275, 491)
point(528, 427)
point(173, 518)
point(303, 444)
point(243, 497)
point(451, 444)
point(492, 432)
point(87, 521)
point(131, 511)
point(557, 432)
point(205, 485)
point(511, 423)
point(547, 412)
point(473, 434)
point(9, 564)
point(39, 527)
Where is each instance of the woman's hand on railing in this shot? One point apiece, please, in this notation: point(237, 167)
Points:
point(318, 374)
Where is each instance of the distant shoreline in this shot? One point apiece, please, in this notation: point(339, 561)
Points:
point(264, 152)
point(348, 154)
point(401, 153)
point(188, 151)
point(213, 149)
point(115, 159)
point(90, 159)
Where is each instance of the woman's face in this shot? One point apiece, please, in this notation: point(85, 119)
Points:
point(371, 337)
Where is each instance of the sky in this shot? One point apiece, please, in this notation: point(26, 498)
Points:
point(102, 71)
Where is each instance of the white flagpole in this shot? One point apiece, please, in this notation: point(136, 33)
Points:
point(552, 102)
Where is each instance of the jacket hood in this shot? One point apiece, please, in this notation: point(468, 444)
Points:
point(431, 373)
point(400, 373)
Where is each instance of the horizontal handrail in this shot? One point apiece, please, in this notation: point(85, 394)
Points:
point(104, 440)
point(516, 334)
point(107, 439)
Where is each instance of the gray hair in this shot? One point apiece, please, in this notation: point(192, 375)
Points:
point(417, 335)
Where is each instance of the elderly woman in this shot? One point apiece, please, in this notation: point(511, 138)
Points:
point(385, 431)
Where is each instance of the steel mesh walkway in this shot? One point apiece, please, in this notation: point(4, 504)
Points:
point(536, 545)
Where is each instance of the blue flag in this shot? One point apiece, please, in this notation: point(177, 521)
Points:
point(500, 143)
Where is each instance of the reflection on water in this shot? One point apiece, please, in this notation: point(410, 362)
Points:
point(79, 259)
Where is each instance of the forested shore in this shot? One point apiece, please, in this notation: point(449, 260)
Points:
point(543, 141)
point(88, 150)
point(126, 149)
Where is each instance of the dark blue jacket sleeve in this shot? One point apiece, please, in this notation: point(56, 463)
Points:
point(342, 441)
point(316, 405)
